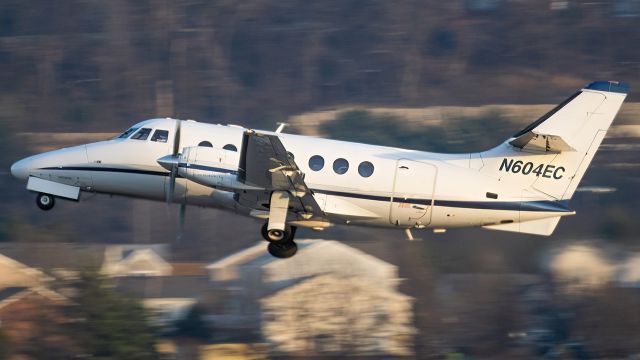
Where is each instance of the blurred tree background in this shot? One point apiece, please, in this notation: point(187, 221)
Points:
point(110, 325)
point(100, 66)
point(74, 65)
point(461, 134)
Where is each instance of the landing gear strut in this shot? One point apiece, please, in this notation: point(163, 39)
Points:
point(276, 231)
point(45, 201)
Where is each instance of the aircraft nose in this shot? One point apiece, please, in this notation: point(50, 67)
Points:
point(20, 169)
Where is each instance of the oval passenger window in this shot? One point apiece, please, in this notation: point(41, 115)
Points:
point(316, 163)
point(365, 169)
point(340, 166)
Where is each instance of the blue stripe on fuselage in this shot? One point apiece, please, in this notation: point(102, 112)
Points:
point(208, 168)
point(534, 206)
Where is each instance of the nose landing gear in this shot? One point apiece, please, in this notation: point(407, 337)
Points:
point(45, 201)
point(281, 244)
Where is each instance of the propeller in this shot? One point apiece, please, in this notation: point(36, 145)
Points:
point(171, 162)
point(183, 208)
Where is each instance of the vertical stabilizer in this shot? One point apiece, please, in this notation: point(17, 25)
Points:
point(552, 154)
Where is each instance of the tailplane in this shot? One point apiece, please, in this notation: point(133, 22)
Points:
point(542, 227)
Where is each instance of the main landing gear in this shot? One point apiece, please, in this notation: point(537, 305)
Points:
point(276, 230)
point(45, 201)
point(281, 244)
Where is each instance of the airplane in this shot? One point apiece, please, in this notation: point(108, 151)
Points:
point(522, 185)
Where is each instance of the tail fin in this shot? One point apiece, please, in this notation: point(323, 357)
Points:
point(552, 154)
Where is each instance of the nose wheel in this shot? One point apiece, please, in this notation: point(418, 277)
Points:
point(45, 201)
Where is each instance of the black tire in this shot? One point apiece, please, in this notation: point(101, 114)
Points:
point(282, 249)
point(45, 202)
point(287, 236)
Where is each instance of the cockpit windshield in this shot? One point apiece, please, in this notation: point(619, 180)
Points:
point(127, 133)
point(143, 134)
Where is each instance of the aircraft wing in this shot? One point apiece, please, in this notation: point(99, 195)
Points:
point(266, 164)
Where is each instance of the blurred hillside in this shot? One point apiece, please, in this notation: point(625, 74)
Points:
point(79, 65)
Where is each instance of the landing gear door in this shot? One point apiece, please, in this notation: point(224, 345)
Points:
point(412, 199)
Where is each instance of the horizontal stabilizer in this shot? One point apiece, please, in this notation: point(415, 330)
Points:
point(532, 141)
point(543, 227)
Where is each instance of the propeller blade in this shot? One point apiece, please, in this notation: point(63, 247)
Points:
point(176, 138)
point(183, 209)
point(172, 184)
point(170, 162)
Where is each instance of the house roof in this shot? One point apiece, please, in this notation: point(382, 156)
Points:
point(11, 291)
point(48, 256)
point(257, 255)
point(11, 294)
point(29, 271)
point(163, 286)
point(314, 257)
point(161, 249)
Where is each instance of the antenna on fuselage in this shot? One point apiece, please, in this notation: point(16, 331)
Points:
point(281, 126)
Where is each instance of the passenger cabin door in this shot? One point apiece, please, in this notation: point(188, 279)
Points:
point(412, 193)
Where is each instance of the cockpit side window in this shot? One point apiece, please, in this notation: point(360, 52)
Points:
point(126, 134)
point(160, 136)
point(142, 134)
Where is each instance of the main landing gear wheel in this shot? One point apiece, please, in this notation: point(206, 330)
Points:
point(282, 249)
point(45, 201)
point(275, 235)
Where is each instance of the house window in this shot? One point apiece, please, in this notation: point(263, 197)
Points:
point(205, 144)
point(230, 147)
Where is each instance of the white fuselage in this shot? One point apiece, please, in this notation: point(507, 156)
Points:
point(406, 189)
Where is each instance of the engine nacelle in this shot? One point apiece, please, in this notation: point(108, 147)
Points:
point(212, 167)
